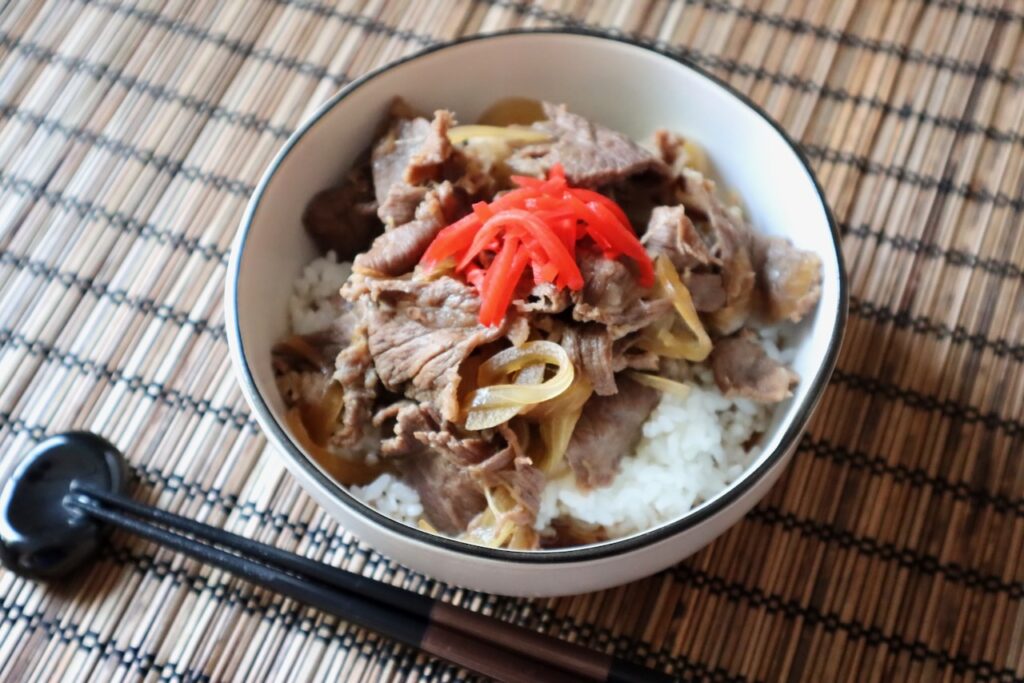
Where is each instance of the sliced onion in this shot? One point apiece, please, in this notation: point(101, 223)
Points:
point(531, 374)
point(460, 134)
point(494, 392)
point(698, 348)
point(662, 384)
point(558, 418)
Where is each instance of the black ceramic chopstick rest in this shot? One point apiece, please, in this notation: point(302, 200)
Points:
point(40, 536)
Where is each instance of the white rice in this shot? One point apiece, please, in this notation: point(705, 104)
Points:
point(392, 497)
point(315, 301)
point(691, 448)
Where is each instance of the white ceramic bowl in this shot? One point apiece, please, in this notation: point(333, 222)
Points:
point(629, 87)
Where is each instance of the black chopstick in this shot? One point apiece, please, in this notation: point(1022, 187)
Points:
point(476, 655)
point(570, 657)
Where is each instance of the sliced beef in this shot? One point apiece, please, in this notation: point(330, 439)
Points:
point(670, 232)
point(544, 297)
point(355, 373)
point(671, 149)
point(518, 330)
point(399, 206)
point(329, 376)
point(398, 250)
point(476, 169)
point(789, 279)
point(525, 482)
point(590, 348)
point(511, 468)
point(728, 239)
point(608, 429)
point(612, 297)
point(402, 420)
point(410, 154)
point(450, 495)
point(626, 355)
point(304, 364)
point(343, 219)
point(419, 334)
point(436, 461)
point(461, 450)
point(706, 289)
point(591, 154)
point(742, 368)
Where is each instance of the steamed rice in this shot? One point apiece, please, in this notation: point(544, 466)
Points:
point(691, 448)
point(315, 302)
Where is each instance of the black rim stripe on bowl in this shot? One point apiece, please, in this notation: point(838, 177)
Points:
point(609, 548)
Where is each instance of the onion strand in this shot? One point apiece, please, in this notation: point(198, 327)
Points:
point(662, 384)
point(698, 347)
point(494, 392)
point(460, 134)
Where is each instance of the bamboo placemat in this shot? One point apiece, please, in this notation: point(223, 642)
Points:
point(130, 138)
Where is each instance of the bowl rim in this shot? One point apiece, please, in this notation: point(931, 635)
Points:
point(604, 550)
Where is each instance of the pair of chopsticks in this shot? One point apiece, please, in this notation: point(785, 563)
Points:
point(491, 647)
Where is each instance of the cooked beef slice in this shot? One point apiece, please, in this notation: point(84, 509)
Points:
point(728, 268)
point(591, 154)
point(450, 495)
point(626, 355)
point(670, 232)
point(419, 334)
point(544, 297)
point(399, 206)
point(728, 238)
point(612, 297)
point(355, 372)
point(788, 279)
point(608, 429)
point(399, 422)
point(436, 461)
point(306, 367)
point(464, 451)
point(590, 348)
point(398, 250)
point(304, 364)
point(410, 154)
point(512, 468)
point(671, 149)
point(706, 289)
point(742, 368)
point(526, 483)
point(343, 219)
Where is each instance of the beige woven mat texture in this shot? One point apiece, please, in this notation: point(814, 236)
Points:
point(130, 138)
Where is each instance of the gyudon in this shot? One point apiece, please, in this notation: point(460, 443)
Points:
point(534, 332)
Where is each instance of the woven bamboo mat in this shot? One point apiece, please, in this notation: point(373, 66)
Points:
point(130, 138)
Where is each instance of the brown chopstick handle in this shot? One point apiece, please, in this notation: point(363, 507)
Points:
point(573, 658)
point(489, 659)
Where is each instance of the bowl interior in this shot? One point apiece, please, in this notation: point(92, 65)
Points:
point(623, 86)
